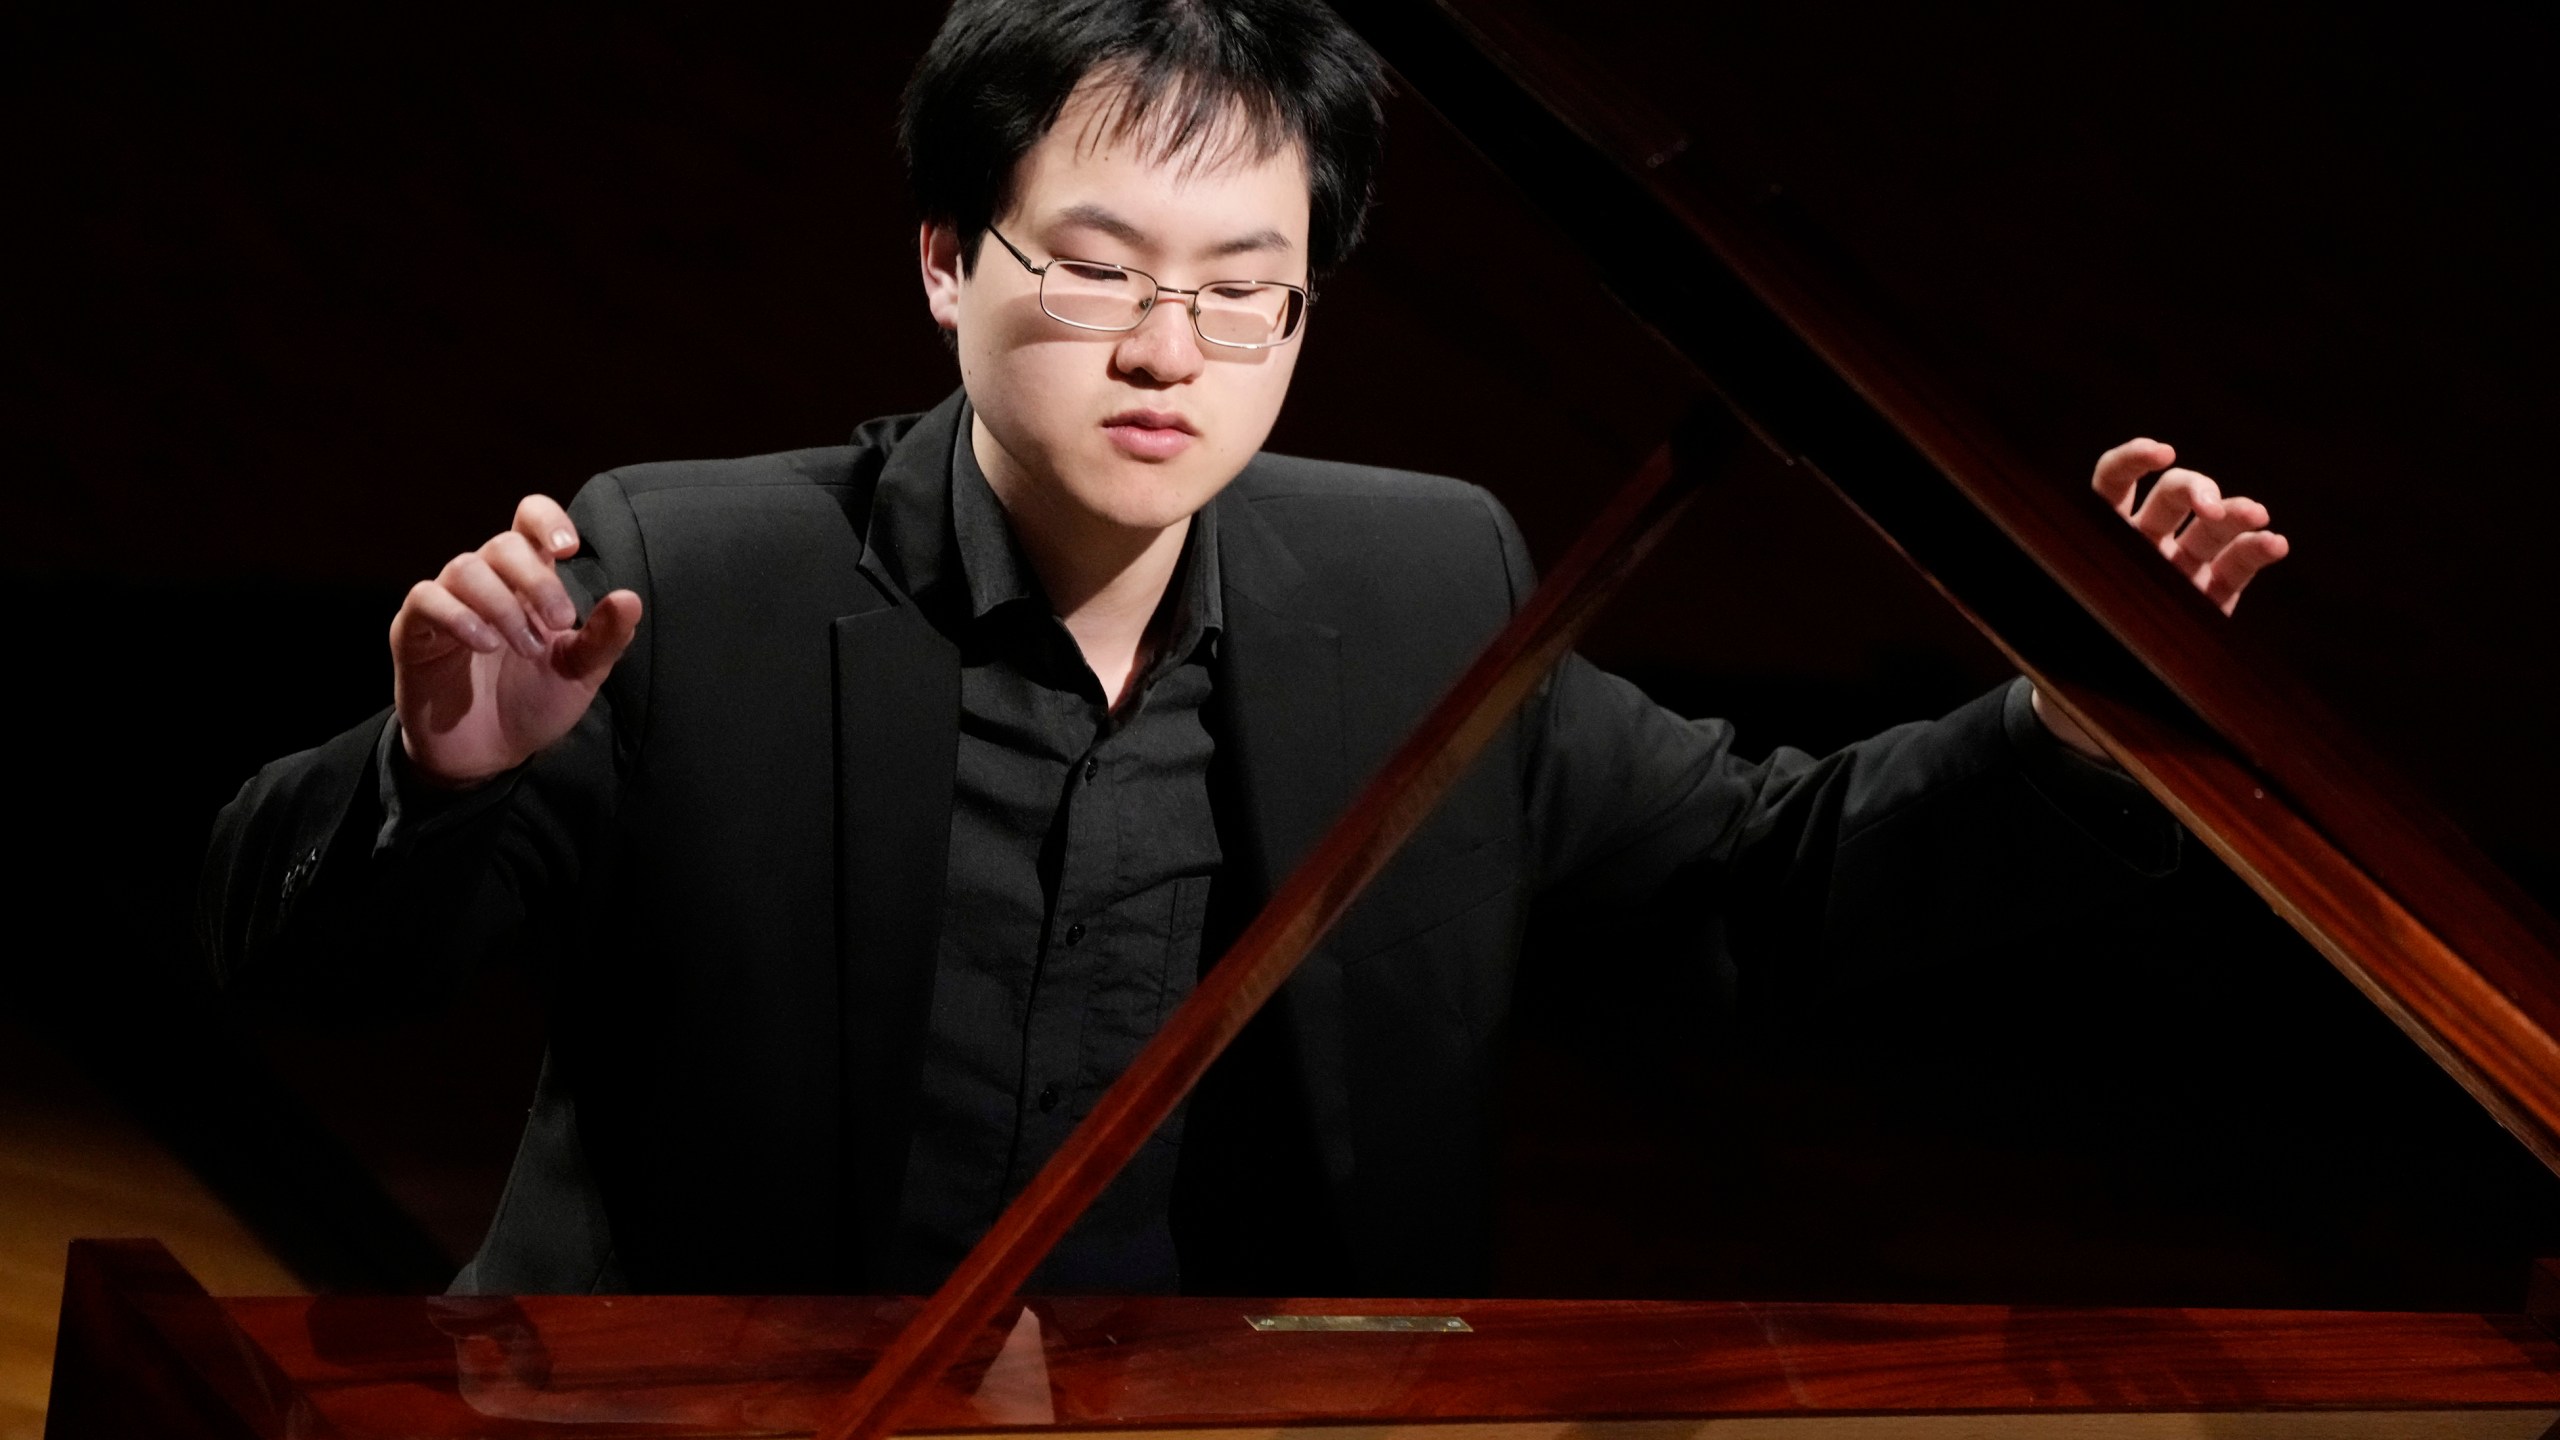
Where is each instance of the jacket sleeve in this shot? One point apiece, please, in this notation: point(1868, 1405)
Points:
point(1928, 838)
point(327, 882)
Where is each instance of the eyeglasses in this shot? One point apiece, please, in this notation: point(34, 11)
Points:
point(1096, 295)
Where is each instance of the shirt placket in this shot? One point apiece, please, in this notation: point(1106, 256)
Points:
point(1081, 938)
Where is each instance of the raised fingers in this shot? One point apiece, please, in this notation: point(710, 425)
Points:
point(540, 520)
point(2122, 468)
point(607, 634)
point(2207, 538)
point(530, 573)
point(474, 582)
point(2239, 563)
point(433, 616)
point(2179, 494)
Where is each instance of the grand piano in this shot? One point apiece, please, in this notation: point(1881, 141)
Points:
point(2215, 720)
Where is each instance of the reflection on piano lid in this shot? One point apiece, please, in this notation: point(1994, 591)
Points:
point(2208, 715)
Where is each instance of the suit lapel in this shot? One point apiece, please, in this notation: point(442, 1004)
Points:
point(1281, 682)
point(1280, 687)
point(897, 746)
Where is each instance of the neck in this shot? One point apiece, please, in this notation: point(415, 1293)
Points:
point(1104, 580)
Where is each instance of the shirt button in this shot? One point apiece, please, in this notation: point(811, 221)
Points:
point(1075, 933)
point(1092, 768)
point(1048, 1097)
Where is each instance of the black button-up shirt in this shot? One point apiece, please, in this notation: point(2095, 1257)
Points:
point(1082, 851)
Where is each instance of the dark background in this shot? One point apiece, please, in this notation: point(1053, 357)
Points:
point(302, 303)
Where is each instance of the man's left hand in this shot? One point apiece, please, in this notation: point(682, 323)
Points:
point(2220, 542)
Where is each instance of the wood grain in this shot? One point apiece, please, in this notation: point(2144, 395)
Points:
point(449, 1366)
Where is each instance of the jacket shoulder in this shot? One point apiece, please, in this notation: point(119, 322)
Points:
point(1332, 514)
point(824, 466)
point(1281, 479)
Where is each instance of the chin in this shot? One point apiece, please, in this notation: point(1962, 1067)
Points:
point(1139, 496)
point(1153, 511)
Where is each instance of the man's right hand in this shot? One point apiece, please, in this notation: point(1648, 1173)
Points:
point(488, 662)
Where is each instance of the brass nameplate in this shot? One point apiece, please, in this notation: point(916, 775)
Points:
point(1361, 1324)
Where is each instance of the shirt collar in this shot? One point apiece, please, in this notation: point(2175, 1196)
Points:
point(1199, 610)
point(993, 569)
point(941, 536)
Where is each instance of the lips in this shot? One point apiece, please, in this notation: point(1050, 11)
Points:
point(1150, 434)
point(1152, 420)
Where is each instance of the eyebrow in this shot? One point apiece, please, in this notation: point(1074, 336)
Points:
point(1094, 217)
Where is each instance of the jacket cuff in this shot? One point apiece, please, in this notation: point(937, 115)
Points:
point(413, 810)
point(2102, 800)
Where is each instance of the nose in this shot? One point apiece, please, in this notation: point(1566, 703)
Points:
point(1164, 347)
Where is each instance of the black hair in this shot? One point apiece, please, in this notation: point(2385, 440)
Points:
point(1192, 76)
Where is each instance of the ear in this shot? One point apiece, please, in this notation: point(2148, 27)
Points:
point(938, 253)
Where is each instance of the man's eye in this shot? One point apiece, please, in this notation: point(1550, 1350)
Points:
point(1238, 293)
point(1094, 274)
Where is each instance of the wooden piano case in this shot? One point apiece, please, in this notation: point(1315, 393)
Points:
point(144, 1351)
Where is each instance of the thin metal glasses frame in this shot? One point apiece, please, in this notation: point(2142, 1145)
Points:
point(1306, 298)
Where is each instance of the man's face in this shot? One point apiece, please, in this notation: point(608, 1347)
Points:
point(1090, 432)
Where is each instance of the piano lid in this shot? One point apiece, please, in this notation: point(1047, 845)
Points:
point(1874, 321)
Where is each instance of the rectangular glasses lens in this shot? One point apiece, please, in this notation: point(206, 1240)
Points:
point(1101, 296)
point(1246, 314)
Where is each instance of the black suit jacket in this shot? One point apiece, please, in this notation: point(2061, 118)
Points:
point(731, 871)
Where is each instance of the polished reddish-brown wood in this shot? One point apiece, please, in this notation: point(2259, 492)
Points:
point(142, 1350)
point(691, 1365)
point(2542, 1295)
point(1381, 818)
point(2325, 829)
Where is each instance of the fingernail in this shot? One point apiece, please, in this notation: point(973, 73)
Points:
point(481, 637)
point(526, 642)
point(560, 539)
point(560, 613)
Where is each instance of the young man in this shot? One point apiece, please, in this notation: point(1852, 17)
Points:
point(866, 808)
